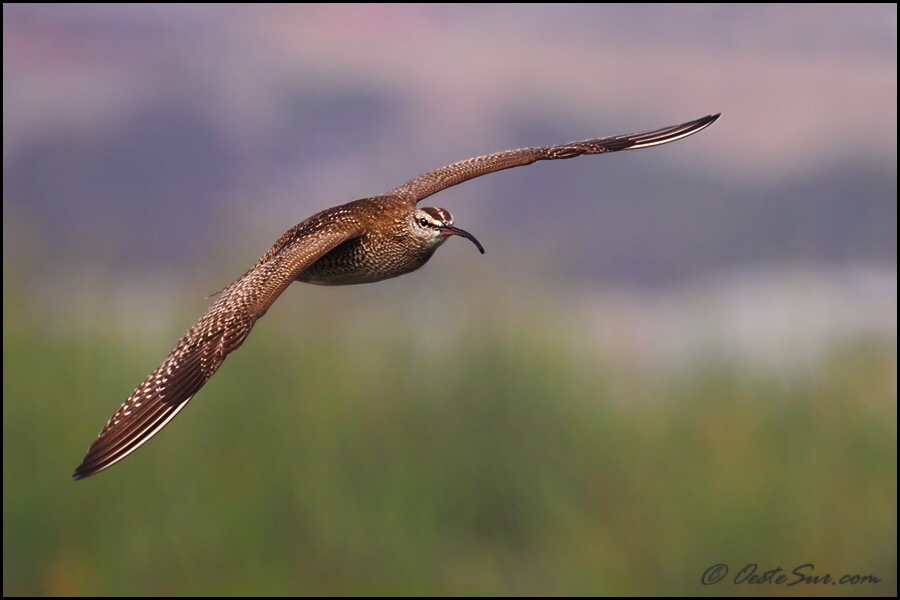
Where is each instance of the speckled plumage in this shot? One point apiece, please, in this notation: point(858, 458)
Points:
point(359, 242)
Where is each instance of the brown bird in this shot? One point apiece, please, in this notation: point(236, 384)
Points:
point(359, 242)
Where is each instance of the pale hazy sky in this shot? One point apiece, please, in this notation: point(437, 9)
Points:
point(95, 94)
point(186, 114)
point(800, 86)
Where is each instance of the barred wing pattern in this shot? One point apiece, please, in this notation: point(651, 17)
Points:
point(202, 350)
point(433, 182)
point(382, 224)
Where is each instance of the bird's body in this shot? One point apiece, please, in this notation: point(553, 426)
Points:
point(359, 242)
point(381, 247)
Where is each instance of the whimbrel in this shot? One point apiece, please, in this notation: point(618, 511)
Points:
point(359, 242)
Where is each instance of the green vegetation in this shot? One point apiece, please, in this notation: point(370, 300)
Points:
point(503, 461)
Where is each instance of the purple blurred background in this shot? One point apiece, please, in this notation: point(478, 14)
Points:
point(179, 140)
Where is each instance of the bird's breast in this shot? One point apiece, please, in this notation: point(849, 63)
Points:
point(366, 259)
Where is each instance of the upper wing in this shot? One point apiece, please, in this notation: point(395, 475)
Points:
point(433, 182)
point(202, 350)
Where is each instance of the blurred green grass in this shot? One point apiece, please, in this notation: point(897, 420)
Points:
point(323, 460)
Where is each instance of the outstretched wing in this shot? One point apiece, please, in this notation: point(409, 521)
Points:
point(202, 350)
point(433, 182)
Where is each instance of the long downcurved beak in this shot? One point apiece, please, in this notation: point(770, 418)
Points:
point(451, 230)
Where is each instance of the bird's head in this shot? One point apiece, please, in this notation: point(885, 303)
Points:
point(434, 225)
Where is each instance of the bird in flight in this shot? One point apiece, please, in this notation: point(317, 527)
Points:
point(359, 242)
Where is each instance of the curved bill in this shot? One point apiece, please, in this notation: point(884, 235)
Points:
point(451, 230)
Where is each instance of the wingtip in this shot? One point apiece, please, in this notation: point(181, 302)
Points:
point(704, 122)
point(82, 471)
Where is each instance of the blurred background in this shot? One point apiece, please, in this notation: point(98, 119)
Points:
point(666, 360)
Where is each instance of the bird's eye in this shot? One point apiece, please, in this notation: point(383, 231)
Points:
point(423, 222)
